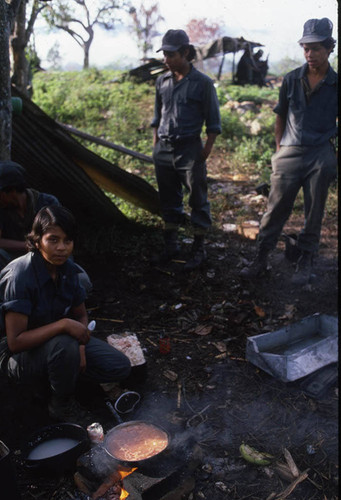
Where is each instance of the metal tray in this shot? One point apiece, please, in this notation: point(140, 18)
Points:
point(297, 349)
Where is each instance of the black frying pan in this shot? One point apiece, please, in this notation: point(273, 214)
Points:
point(118, 431)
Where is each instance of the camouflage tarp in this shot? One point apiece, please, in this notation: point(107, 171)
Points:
point(148, 71)
point(224, 45)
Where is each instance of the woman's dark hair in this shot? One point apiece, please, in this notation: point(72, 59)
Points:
point(53, 215)
point(20, 188)
point(191, 54)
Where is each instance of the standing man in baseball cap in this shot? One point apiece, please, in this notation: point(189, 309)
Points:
point(305, 157)
point(185, 101)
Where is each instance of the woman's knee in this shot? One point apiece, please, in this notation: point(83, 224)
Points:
point(62, 346)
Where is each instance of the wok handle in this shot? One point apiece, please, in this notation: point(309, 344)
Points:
point(113, 411)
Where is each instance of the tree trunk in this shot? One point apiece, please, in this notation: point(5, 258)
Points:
point(86, 47)
point(86, 57)
point(5, 85)
point(21, 76)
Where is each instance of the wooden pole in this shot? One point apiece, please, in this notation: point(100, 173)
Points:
point(103, 142)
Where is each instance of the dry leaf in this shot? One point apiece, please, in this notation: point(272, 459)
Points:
point(220, 345)
point(290, 310)
point(259, 311)
point(290, 461)
point(202, 330)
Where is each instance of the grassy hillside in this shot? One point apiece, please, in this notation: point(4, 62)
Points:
point(106, 105)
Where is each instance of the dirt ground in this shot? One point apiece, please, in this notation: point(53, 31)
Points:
point(204, 388)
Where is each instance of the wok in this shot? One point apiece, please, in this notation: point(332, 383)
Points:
point(72, 439)
point(127, 450)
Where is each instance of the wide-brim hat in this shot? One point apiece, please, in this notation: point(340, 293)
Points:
point(173, 40)
point(11, 174)
point(316, 30)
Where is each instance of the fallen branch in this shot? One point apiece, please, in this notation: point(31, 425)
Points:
point(285, 493)
point(163, 271)
point(151, 342)
point(112, 320)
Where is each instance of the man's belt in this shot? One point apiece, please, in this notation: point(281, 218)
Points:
point(180, 140)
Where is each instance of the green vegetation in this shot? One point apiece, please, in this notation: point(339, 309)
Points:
point(107, 105)
point(253, 93)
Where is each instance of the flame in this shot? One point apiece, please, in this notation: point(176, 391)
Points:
point(124, 473)
point(124, 494)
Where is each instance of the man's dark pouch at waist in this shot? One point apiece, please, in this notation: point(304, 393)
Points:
point(5, 354)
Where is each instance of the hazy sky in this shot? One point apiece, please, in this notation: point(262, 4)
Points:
point(276, 24)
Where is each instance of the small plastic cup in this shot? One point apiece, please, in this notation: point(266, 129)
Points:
point(95, 433)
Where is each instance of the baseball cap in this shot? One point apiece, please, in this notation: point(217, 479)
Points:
point(316, 30)
point(173, 40)
point(11, 174)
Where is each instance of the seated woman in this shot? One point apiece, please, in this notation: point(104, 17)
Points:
point(44, 318)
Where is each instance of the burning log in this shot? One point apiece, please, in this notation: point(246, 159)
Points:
point(111, 488)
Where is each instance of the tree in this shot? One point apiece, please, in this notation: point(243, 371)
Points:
point(144, 26)
point(202, 31)
point(8, 10)
point(54, 57)
point(285, 65)
point(22, 32)
point(79, 17)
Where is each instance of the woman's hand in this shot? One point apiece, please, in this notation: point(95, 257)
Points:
point(77, 330)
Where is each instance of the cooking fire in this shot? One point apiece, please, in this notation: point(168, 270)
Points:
point(112, 488)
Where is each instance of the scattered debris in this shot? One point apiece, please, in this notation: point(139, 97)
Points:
point(202, 330)
point(170, 375)
point(254, 456)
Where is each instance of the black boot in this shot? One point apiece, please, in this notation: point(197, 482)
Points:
point(303, 271)
point(198, 254)
point(257, 267)
point(171, 249)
